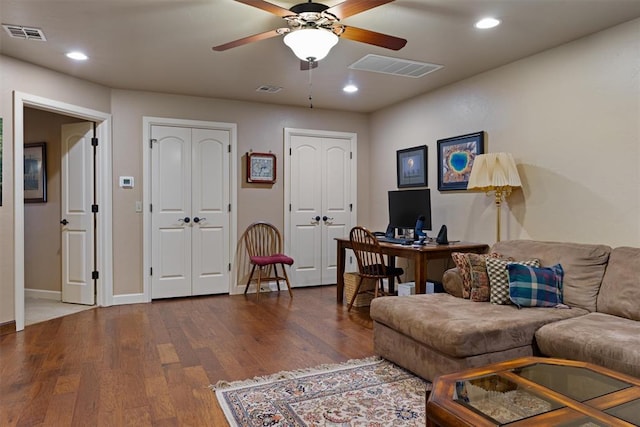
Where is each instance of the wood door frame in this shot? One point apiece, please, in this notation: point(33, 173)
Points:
point(147, 123)
point(288, 133)
point(104, 173)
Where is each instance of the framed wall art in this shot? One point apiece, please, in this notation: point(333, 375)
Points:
point(455, 158)
point(35, 172)
point(261, 168)
point(411, 167)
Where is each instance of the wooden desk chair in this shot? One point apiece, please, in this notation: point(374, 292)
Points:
point(371, 262)
point(264, 246)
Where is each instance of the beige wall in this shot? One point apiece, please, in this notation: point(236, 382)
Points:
point(23, 77)
point(571, 118)
point(569, 115)
point(42, 269)
point(260, 128)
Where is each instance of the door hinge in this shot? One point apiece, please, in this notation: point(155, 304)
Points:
point(350, 207)
point(350, 260)
point(151, 271)
point(150, 207)
point(94, 208)
point(95, 275)
point(151, 141)
point(289, 207)
point(290, 151)
point(229, 266)
point(350, 155)
point(229, 208)
point(229, 148)
point(94, 141)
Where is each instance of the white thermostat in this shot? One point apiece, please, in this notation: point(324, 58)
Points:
point(126, 181)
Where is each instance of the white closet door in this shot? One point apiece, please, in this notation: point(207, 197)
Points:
point(320, 196)
point(190, 216)
point(210, 209)
point(171, 214)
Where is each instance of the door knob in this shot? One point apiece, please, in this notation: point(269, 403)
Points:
point(317, 218)
point(326, 218)
point(186, 219)
point(197, 220)
point(64, 222)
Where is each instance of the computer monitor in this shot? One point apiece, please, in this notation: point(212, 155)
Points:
point(405, 206)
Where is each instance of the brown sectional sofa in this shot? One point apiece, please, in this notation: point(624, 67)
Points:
point(440, 333)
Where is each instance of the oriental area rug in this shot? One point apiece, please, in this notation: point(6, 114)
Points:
point(368, 392)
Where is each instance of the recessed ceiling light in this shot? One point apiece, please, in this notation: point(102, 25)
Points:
point(78, 56)
point(350, 88)
point(485, 23)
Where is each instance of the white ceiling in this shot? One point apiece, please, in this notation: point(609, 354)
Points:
point(165, 45)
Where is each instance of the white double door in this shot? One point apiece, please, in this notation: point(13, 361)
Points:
point(190, 211)
point(322, 195)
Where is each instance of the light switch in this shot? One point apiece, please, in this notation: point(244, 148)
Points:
point(138, 206)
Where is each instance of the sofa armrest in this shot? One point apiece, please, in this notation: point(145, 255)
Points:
point(452, 282)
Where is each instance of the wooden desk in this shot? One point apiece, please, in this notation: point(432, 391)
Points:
point(567, 393)
point(420, 257)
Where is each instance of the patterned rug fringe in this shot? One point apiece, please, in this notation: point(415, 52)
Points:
point(283, 375)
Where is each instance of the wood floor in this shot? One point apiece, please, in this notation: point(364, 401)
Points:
point(151, 364)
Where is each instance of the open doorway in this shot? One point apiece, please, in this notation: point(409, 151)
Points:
point(103, 258)
point(43, 243)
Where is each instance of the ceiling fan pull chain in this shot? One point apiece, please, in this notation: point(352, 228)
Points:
point(310, 86)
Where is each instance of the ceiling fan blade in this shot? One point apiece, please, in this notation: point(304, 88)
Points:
point(306, 65)
point(351, 7)
point(246, 40)
point(269, 7)
point(374, 38)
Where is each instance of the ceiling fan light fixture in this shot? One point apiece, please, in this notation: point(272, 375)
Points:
point(311, 44)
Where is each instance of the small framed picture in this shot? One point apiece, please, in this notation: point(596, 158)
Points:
point(35, 173)
point(455, 159)
point(261, 168)
point(412, 167)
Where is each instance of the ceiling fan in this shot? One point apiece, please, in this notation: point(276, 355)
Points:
point(314, 28)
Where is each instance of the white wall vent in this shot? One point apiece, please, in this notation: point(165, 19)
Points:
point(27, 33)
point(268, 89)
point(395, 66)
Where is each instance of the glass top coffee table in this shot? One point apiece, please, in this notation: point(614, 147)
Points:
point(535, 391)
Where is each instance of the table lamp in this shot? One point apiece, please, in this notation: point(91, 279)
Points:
point(495, 172)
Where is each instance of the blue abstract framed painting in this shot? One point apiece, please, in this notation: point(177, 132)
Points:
point(455, 159)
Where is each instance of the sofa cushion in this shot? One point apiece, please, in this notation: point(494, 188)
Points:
point(535, 287)
point(620, 291)
point(583, 265)
point(462, 328)
point(602, 339)
point(499, 278)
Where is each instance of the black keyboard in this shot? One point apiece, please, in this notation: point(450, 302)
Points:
point(397, 240)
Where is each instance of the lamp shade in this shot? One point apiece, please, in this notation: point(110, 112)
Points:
point(493, 170)
point(311, 44)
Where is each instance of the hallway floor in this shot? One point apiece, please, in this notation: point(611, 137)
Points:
point(37, 310)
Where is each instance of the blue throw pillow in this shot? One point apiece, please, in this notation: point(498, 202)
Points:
point(535, 287)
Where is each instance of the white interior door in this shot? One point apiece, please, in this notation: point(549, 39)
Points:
point(210, 201)
point(171, 211)
point(321, 195)
point(76, 216)
point(190, 218)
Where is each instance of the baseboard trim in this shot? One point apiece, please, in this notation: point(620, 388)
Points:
point(129, 299)
point(41, 293)
point(7, 328)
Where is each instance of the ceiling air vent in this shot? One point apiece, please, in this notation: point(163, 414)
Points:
point(27, 33)
point(395, 66)
point(268, 89)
